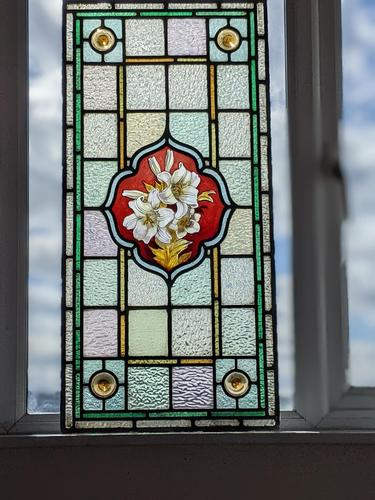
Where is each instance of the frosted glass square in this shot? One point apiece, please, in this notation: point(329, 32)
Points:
point(97, 240)
point(237, 173)
point(249, 366)
point(193, 288)
point(143, 129)
point(89, 25)
point(234, 135)
point(223, 366)
point(97, 176)
point(90, 367)
point(191, 129)
point(241, 54)
point(148, 388)
point(250, 400)
point(223, 400)
point(115, 25)
point(191, 332)
point(144, 37)
point(90, 402)
point(261, 59)
point(239, 239)
point(217, 55)
point(187, 37)
point(240, 25)
point(116, 402)
point(238, 332)
point(89, 55)
point(118, 368)
point(100, 282)
point(237, 281)
point(192, 387)
point(215, 25)
point(148, 333)
point(145, 288)
point(188, 86)
point(115, 55)
point(99, 333)
point(233, 86)
point(100, 87)
point(145, 87)
point(100, 135)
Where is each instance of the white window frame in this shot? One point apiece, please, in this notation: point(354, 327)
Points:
point(323, 400)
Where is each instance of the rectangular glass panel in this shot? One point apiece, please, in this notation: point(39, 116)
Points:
point(170, 256)
point(358, 132)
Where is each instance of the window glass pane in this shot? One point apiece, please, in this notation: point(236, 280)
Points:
point(45, 197)
point(358, 157)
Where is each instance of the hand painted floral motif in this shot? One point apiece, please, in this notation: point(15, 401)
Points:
point(168, 208)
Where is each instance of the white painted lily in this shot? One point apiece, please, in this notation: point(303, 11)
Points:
point(148, 220)
point(187, 224)
point(181, 189)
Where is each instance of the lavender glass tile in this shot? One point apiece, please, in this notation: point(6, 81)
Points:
point(192, 387)
point(187, 37)
point(100, 333)
point(97, 240)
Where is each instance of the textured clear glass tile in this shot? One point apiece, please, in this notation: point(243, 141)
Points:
point(148, 388)
point(192, 129)
point(193, 288)
point(237, 174)
point(188, 86)
point(237, 281)
point(239, 332)
point(239, 239)
point(100, 87)
point(100, 282)
point(97, 176)
point(145, 288)
point(100, 135)
point(192, 332)
point(144, 37)
point(143, 129)
point(234, 135)
point(233, 86)
point(145, 87)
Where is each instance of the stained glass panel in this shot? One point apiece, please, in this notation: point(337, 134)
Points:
point(169, 310)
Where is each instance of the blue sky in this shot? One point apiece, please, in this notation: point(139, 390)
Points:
point(45, 199)
point(358, 157)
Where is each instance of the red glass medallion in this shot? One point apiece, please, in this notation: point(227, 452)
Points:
point(169, 208)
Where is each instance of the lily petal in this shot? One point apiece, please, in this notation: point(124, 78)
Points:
point(167, 197)
point(151, 232)
point(154, 165)
point(165, 177)
point(182, 209)
point(193, 228)
point(179, 173)
point(132, 193)
point(140, 230)
point(130, 221)
point(195, 179)
point(140, 207)
point(189, 196)
point(165, 216)
point(169, 160)
point(153, 198)
point(163, 235)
